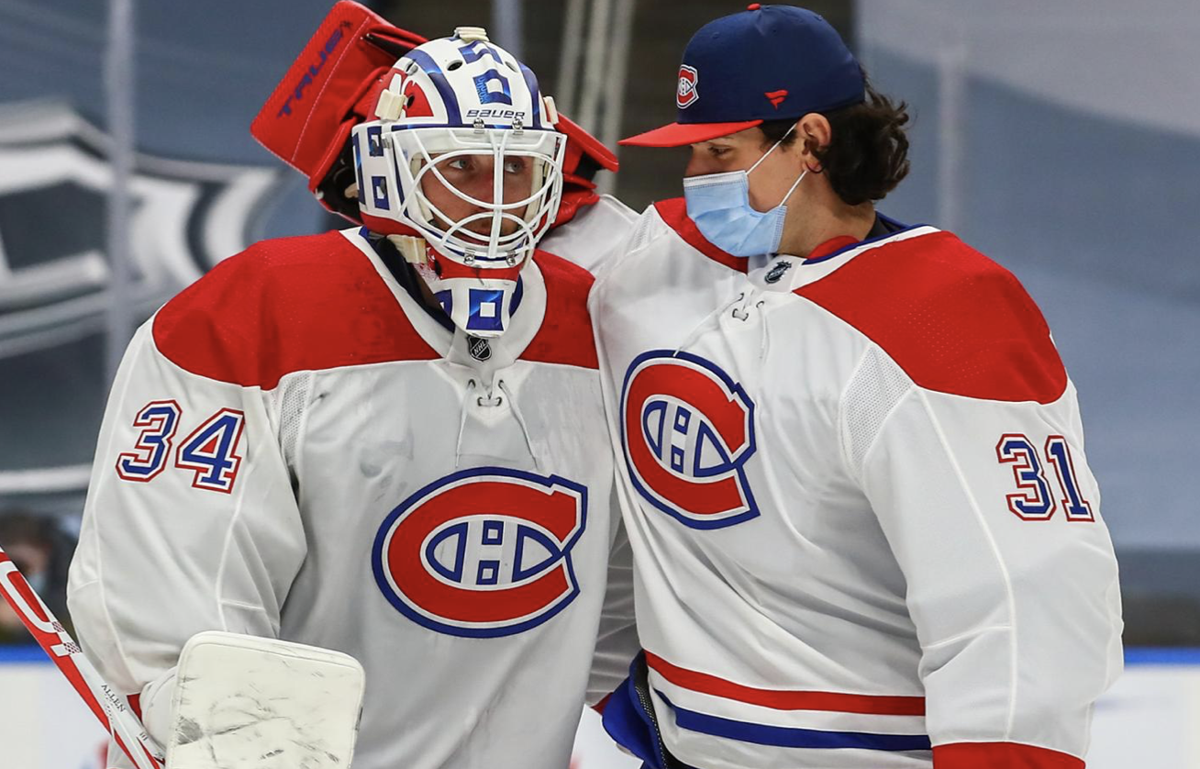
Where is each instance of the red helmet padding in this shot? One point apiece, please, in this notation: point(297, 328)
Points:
point(335, 85)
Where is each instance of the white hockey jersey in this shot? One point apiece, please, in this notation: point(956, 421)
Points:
point(294, 448)
point(861, 511)
point(593, 233)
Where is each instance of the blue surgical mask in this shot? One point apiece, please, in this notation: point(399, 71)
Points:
point(719, 204)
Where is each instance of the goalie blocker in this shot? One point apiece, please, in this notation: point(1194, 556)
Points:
point(234, 701)
point(242, 702)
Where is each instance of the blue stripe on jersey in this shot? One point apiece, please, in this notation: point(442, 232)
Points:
point(787, 737)
point(891, 222)
point(423, 60)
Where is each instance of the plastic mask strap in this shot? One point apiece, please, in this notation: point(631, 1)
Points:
point(773, 148)
point(799, 178)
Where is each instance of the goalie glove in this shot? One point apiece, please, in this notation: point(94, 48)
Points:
point(242, 702)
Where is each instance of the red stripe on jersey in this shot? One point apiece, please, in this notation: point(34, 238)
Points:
point(880, 705)
point(292, 304)
point(674, 213)
point(1001, 755)
point(954, 320)
point(566, 332)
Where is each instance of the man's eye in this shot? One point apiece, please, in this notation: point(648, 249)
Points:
point(459, 164)
point(718, 152)
point(514, 166)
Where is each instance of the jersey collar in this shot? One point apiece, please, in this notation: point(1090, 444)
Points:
point(454, 345)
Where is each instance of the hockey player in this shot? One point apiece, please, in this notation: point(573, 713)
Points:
point(854, 477)
point(386, 441)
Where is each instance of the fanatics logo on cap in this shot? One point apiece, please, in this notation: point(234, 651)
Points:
point(771, 62)
point(687, 94)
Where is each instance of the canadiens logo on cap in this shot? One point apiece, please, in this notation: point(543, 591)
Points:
point(765, 63)
point(687, 95)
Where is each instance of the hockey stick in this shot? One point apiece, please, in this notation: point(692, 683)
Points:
point(110, 707)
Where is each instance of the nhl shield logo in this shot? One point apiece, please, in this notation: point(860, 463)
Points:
point(482, 553)
point(687, 95)
point(687, 430)
point(776, 273)
point(479, 348)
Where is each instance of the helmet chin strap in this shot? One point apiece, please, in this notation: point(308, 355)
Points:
point(413, 248)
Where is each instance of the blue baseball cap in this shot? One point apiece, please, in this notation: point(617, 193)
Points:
point(765, 63)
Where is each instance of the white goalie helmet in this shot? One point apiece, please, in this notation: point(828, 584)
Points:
point(463, 171)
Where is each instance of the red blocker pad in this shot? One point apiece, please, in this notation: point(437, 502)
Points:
point(334, 85)
point(307, 120)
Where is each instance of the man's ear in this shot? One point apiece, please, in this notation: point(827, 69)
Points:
point(813, 132)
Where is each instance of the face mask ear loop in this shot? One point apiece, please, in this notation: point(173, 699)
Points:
point(773, 147)
point(799, 179)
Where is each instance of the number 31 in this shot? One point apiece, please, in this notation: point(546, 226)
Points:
point(1034, 501)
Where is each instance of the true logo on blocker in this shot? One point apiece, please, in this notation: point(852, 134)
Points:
point(687, 430)
point(482, 553)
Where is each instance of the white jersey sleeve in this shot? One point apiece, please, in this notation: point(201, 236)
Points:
point(980, 480)
point(590, 238)
point(190, 511)
point(991, 512)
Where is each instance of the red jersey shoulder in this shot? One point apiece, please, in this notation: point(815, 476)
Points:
point(953, 319)
point(673, 212)
point(292, 304)
point(566, 332)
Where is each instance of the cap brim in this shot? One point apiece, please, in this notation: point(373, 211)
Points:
point(679, 134)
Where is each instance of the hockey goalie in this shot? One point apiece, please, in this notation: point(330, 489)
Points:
point(371, 466)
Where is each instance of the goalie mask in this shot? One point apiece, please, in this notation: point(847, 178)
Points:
point(463, 172)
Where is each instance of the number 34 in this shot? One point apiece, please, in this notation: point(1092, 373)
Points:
point(1034, 501)
point(209, 452)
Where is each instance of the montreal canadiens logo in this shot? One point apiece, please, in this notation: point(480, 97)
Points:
point(482, 553)
point(687, 94)
point(687, 430)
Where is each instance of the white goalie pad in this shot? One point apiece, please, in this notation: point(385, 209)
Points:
point(242, 702)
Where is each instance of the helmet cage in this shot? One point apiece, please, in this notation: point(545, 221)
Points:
point(414, 152)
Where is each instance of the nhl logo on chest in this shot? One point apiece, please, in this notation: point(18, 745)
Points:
point(777, 272)
point(482, 553)
point(687, 94)
point(687, 430)
point(479, 348)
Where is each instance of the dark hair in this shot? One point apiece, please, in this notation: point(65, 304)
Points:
point(867, 154)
